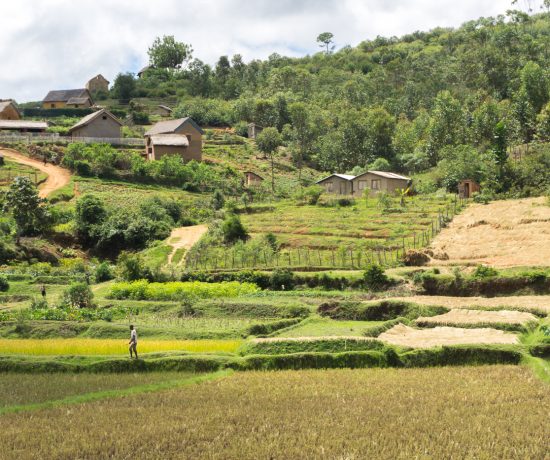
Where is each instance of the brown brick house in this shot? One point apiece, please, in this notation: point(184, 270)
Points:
point(251, 179)
point(9, 110)
point(101, 124)
point(182, 137)
point(68, 98)
point(98, 84)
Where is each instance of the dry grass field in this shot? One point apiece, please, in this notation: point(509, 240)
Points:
point(524, 302)
point(463, 316)
point(406, 336)
point(501, 234)
point(471, 412)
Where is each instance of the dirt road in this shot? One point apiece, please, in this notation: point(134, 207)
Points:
point(57, 177)
point(501, 234)
point(185, 238)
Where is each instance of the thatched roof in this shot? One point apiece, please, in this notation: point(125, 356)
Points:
point(5, 104)
point(22, 124)
point(64, 95)
point(89, 118)
point(178, 140)
point(171, 126)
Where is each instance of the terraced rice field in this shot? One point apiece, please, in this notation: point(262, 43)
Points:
point(463, 316)
point(454, 412)
point(406, 336)
point(108, 347)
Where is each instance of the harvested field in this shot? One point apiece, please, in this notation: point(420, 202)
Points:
point(526, 302)
point(463, 316)
point(500, 234)
point(455, 412)
point(406, 336)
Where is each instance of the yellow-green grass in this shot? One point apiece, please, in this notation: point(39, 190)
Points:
point(108, 347)
point(12, 169)
point(324, 327)
point(16, 389)
point(452, 412)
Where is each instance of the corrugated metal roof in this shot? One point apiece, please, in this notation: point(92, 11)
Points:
point(92, 116)
point(170, 139)
point(341, 176)
point(388, 175)
point(22, 124)
point(170, 126)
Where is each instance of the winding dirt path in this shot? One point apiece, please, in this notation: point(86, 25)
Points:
point(185, 237)
point(57, 177)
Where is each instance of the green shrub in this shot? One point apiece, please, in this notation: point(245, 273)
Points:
point(83, 168)
point(483, 271)
point(263, 329)
point(233, 229)
point(375, 278)
point(4, 284)
point(218, 200)
point(131, 267)
point(178, 290)
point(103, 272)
point(39, 304)
point(282, 279)
point(78, 295)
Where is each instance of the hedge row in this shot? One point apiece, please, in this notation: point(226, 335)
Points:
point(377, 311)
point(263, 329)
point(447, 285)
point(388, 357)
point(321, 345)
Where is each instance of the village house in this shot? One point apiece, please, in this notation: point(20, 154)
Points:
point(68, 98)
point(23, 126)
point(182, 137)
point(163, 111)
point(143, 70)
point(254, 130)
point(9, 110)
point(98, 84)
point(337, 184)
point(251, 179)
point(467, 187)
point(374, 181)
point(379, 181)
point(100, 124)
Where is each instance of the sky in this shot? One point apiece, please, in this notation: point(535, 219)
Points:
point(60, 44)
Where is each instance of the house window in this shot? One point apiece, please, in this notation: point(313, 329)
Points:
point(375, 184)
point(52, 106)
point(104, 117)
point(328, 186)
point(188, 137)
point(362, 184)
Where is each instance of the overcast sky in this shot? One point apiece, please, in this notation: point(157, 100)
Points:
point(60, 44)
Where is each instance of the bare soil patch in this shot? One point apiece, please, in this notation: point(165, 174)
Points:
point(526, 302)
point(457, 317)
point(501, 234)
point(57, 177)
point(185, 237)
point(426, 338)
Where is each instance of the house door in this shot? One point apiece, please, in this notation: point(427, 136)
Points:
point(342, 188)
point(466, 190)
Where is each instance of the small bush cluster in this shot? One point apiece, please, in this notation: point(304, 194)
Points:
point(178, 290)
point(375, 278)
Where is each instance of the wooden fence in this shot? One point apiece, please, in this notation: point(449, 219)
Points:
point(342, 258)
point(54, 138)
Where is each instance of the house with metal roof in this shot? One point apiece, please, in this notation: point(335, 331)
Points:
point(100, 124)
point(379, 181)
point(338, 184)
point(68, 98)
point(182, 137)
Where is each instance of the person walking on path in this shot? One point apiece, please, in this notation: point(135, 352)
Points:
point(133, 342)
point(43, 291)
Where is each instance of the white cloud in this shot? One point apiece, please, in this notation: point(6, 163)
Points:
point(58, 44)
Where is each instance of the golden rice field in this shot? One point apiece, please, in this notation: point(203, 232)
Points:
point(454, 412)
point(108, 347)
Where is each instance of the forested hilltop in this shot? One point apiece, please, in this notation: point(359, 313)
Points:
point(410, 100)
